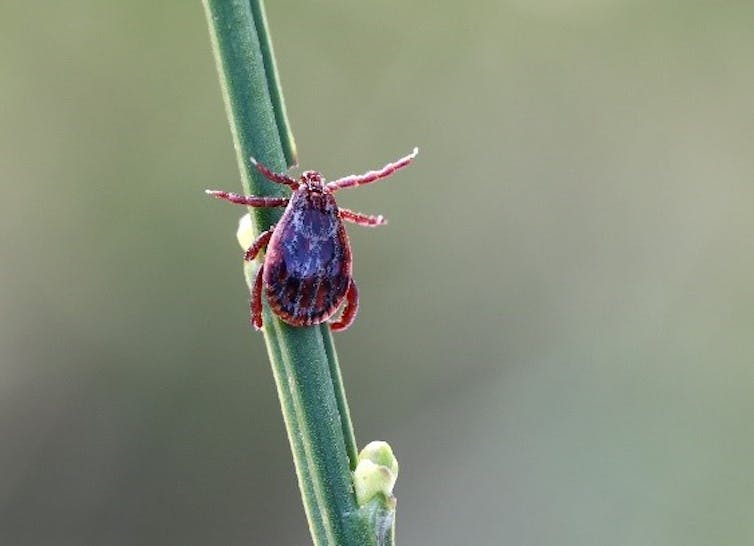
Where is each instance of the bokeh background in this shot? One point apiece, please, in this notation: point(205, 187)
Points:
point(557, 326)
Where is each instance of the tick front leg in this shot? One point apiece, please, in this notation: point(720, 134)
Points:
point(372, 176)
point(362, 219)
point(278, 178)
point(349, 311)
point(248, 200)
point(258, 245)
point(256, 300)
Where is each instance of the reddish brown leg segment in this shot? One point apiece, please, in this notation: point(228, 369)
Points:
point(349, 311)
point(275, 177)
point(249, 200)
point(258, 245)
point(256, 300)
point(362, 219)
point(372, 176)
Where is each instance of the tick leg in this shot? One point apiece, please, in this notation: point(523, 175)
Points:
point(349, 311)
point(248, 200)
point(372, 176)
point(259, 244)
point(275, 177)
point(256, 300)
point(362, 219)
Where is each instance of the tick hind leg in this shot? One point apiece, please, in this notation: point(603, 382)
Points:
point(256, 300)
point(256, 290)
point(349, 311)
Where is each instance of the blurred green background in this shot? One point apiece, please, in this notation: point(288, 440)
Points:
point(557, 326)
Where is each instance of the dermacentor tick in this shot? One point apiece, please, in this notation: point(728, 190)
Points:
point(306, 272)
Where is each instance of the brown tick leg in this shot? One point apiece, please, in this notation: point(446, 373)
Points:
point(275, 177)
point(256, 300)
point(248, 200)
point(258, 245)
point(372, 176)
point(362, 219)
point(349, 311)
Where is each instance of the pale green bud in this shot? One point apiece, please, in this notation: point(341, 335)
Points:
point(245, 233)
point(376, 472)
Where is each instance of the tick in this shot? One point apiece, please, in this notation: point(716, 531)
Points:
point(307, 269)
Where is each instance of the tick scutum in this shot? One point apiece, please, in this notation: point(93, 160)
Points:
point(308, 262)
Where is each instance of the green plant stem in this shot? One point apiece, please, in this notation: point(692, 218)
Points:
point(304, 362)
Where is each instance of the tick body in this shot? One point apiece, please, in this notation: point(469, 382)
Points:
point(307, 270)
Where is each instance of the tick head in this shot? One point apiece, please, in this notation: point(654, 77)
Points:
point(313, 181)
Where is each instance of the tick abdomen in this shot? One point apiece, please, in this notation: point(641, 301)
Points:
point(308, 261)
